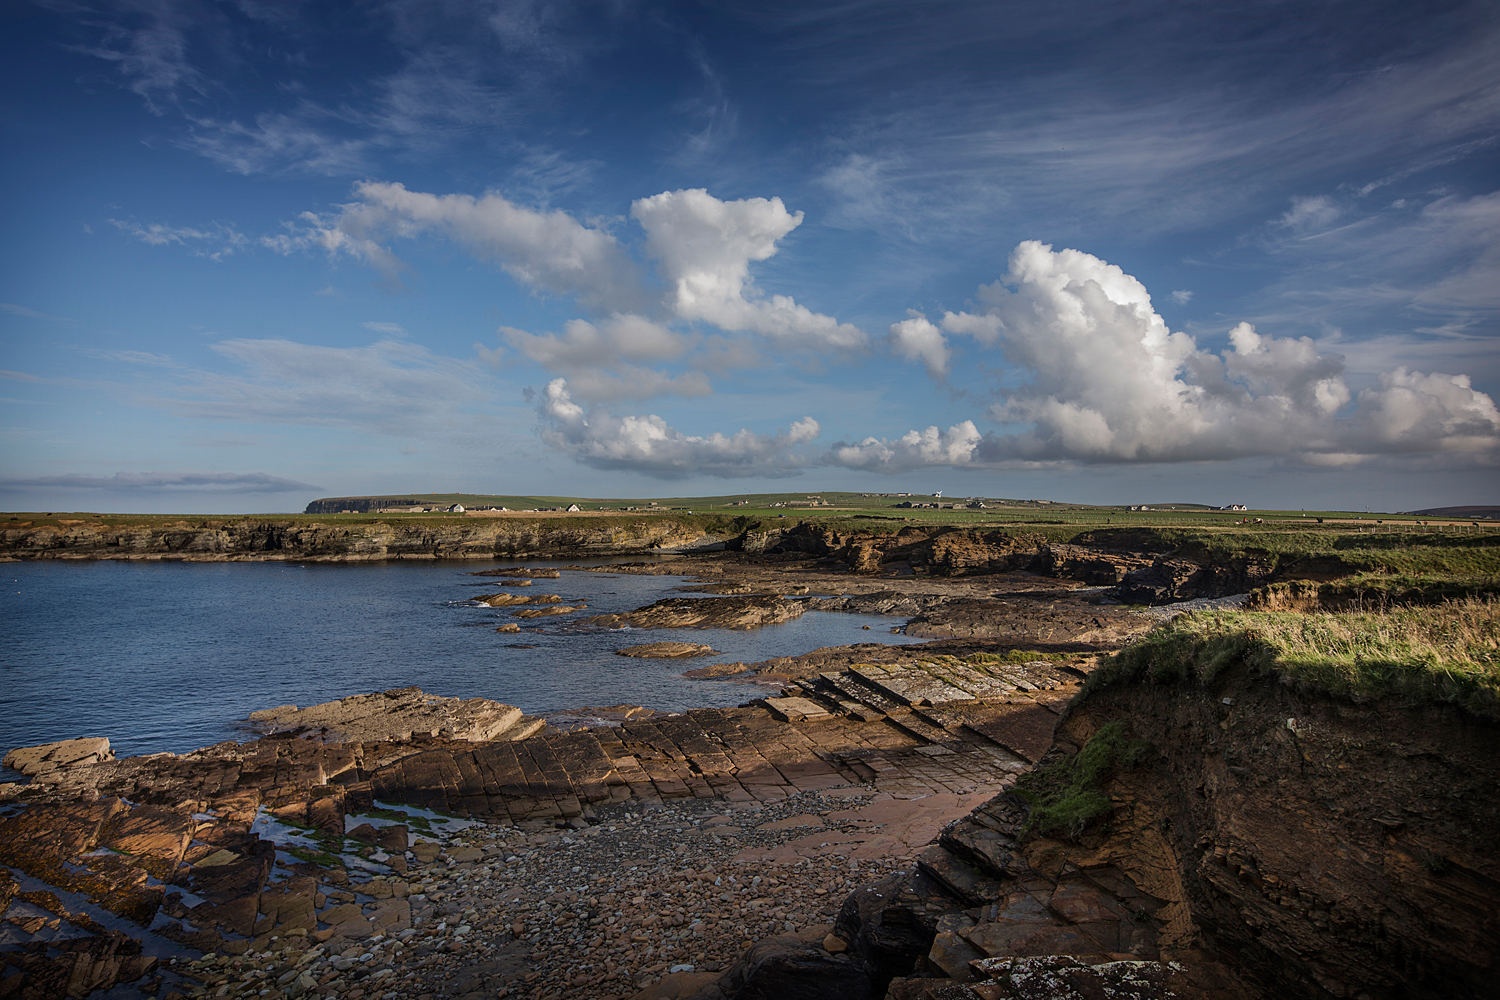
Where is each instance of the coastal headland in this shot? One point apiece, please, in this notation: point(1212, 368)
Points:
point(1074, 788)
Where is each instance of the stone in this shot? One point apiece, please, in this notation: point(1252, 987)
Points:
point(667, 650)
point(952, 953)
point(509, 627)
point(706, 612)
point(797, 709)
point(39, 761)
point(681, 986)
point(396, 714)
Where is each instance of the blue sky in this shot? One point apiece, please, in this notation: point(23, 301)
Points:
point(259, 252)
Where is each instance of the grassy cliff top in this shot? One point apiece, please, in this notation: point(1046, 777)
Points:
point(1445, 653)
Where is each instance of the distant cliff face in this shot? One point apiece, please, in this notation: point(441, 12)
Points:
point(270, 540)
point(362, 505)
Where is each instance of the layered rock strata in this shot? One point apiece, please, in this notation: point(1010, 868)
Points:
point(398, 715)
point(241, 849)
point(1284, 843)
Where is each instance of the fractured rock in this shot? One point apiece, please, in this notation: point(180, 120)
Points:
point(397, 714)
point(39, 761)
point(706, 612)
point(667, 650)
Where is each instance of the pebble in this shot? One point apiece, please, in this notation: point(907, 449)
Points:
point(549, 910)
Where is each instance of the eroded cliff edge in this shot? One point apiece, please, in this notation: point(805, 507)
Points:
point(1278, 840)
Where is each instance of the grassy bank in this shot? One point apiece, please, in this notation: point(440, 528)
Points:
point(1445, 653)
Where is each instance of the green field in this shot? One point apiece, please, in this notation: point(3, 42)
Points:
point(1170, 524)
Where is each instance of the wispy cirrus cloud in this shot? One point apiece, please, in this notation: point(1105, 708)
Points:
point(390, 387)
point(164, 482)
point(15, 310)
point(214, 241)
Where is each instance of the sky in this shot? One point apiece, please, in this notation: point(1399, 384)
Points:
point(258, 252)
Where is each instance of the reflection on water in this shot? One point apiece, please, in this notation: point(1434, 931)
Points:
point(169, 656)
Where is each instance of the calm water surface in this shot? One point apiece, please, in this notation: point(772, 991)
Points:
point(173, 656)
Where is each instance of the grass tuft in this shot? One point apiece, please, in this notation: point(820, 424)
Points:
point(1444, 653)
point(1068, 796)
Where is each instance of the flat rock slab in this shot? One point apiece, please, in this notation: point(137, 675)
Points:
point(40, 760)
point(668, 650)
point(541, 574)
point(797, 709)
point(502, 600)
point(706, 612)
point(396, 714)
point(717, 670)
point(912, 686)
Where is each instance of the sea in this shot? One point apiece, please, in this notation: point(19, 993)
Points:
point(172, 656)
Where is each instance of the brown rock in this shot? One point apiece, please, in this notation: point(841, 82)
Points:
point(706, 612)
point(397, 714)
point(717, 670)
point(667, 650)
point(39, 761)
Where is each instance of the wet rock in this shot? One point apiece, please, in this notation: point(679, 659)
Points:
point(667, 650)
point(561, 609)
point(503, 600)
point(706, 612)
point(717, 670)
point(881, 602)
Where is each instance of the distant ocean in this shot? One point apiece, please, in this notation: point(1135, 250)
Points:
point(174, 656)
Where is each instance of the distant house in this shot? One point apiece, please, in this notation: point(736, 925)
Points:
point(1234, 506)
point(457, 508)
point(573, 508)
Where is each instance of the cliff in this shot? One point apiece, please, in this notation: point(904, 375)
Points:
point(248, 539)
point(1227, 829)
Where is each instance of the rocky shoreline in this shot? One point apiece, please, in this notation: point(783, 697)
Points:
point(851, 835)
point(1140, 567)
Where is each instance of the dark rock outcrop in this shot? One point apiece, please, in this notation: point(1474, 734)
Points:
point(1283, 842)
point(448, 538)
point(706, 612)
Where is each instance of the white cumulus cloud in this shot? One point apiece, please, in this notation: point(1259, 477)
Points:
point(916, 339)
point(1110, 382)
point(704, 247)
point(956, 446)
point(548, 250)
point(597, 358)
point(646, 444)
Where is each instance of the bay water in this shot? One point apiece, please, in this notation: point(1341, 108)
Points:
point(173, 656)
